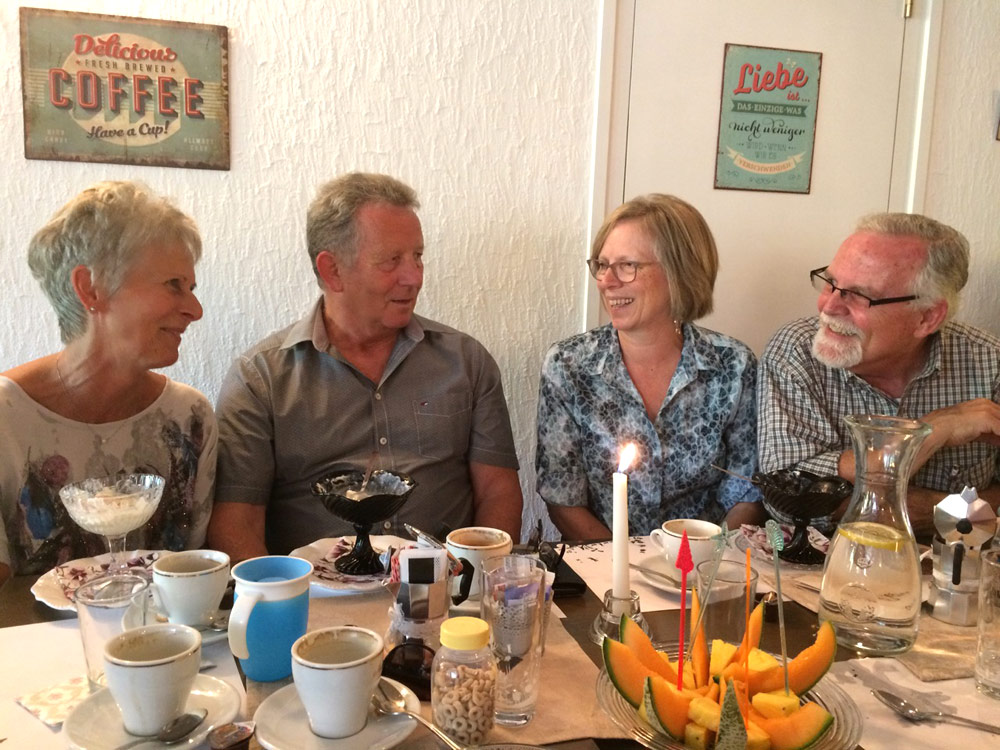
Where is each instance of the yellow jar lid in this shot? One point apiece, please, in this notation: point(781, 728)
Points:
point(465, 633)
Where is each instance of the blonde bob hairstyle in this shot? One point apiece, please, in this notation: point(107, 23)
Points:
point(105, 228)
point(683, 244)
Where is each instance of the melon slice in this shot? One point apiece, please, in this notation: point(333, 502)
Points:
point(665, 707)
point(804, 671)
point(751, 638)
point(699, 651)
point(798, 730)
point(625, 671)
point(732, 728)
point(635, 638)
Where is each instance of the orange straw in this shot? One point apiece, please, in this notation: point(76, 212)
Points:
point(746, 639)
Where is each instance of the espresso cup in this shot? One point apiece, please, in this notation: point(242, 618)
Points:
point(189, 585)
point(150, 671)
point(269, 614)
point(474, 544)
point(336, 671)
point(668, 539)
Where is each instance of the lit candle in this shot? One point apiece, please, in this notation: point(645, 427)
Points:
point(620, 586)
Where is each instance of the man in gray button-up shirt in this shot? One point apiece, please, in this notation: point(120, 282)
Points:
point(361, 374)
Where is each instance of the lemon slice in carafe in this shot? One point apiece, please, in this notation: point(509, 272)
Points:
point(875, 535)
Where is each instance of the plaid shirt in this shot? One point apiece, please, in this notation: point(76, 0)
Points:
point(801, 403)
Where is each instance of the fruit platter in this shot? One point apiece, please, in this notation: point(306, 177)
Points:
point(638, 689)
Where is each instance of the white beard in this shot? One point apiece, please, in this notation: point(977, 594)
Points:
point(837, 351)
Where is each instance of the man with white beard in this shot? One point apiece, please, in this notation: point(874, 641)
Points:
point(884, 343)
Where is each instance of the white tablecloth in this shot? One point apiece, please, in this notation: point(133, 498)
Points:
point(34, 657)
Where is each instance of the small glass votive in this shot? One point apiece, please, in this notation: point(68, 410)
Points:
point(608, 622)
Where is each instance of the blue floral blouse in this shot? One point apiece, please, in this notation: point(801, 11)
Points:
point(588, 408)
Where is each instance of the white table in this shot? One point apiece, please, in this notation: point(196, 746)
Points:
point(35, 657)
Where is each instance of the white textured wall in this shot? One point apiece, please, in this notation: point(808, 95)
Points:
point(484, 107)
point(964, 172)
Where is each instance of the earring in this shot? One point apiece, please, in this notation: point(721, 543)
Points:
point(92, 309)
point(677, 327)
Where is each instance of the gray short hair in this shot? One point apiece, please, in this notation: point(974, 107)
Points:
point(684, 247)
point(103, 228)
point(946, 271)
point(330, 221)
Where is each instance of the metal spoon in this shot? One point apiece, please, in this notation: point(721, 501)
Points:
point(173, 731)
point(388, 700)
point(908, 711)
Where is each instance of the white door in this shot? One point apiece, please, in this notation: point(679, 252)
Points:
point(767, 241)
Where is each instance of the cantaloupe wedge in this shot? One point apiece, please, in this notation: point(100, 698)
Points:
point(665, 707)
point(699, 649)
point(635, 638)
point(804, 671)
point(797, 730)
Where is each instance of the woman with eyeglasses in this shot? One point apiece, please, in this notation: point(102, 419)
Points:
point(683, 394)
point(117, 264)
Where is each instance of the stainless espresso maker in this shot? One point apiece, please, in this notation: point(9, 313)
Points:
point(965, 524)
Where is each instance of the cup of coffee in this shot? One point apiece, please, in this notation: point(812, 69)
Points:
point(474, 544)
point(189, 585)
point(336, 671)
point(269, 614)
point(668, 539)
point(150, 671)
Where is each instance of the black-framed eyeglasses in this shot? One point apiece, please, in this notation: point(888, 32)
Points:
point(823, 283)
point(624, 270)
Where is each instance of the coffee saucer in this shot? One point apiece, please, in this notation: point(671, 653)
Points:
point(282, 724)
point(133, 619)
point(96, 724)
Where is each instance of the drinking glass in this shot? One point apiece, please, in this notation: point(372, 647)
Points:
point(988, 648)
point(100, 605)
point(513, 602)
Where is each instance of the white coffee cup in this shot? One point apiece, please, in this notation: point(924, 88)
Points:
point(336, 671)
point(150, 671)
point(668, 539)
point(190, 585)
point(476, 544)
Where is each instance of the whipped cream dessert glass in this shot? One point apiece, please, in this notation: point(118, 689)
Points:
point(112, 507)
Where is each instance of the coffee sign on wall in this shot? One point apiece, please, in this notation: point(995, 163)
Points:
point(124, 90)
point(767, 122)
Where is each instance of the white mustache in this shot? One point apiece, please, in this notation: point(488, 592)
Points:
point(839, 325)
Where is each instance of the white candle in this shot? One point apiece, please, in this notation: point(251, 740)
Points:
point(620, 586)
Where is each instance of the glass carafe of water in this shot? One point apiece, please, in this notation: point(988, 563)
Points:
point(871, 580)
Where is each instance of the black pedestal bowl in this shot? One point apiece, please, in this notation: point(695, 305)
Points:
point(801, 498)
point(383, 496)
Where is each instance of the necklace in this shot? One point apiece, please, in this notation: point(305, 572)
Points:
point(99, 439)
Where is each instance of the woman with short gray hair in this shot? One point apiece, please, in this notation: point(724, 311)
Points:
point(117, 264)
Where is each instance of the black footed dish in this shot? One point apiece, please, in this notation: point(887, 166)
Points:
point(383, 496)
point(801, 498)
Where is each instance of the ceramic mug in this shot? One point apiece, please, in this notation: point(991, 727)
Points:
point(189, 585)
point(474, 544)
point(150, 671)
point(269, 614)
point(345, 662)
point(668, 539)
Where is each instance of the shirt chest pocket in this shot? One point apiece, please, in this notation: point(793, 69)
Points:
point(443, 424)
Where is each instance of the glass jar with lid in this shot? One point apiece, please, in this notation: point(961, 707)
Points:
point(463, 680)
